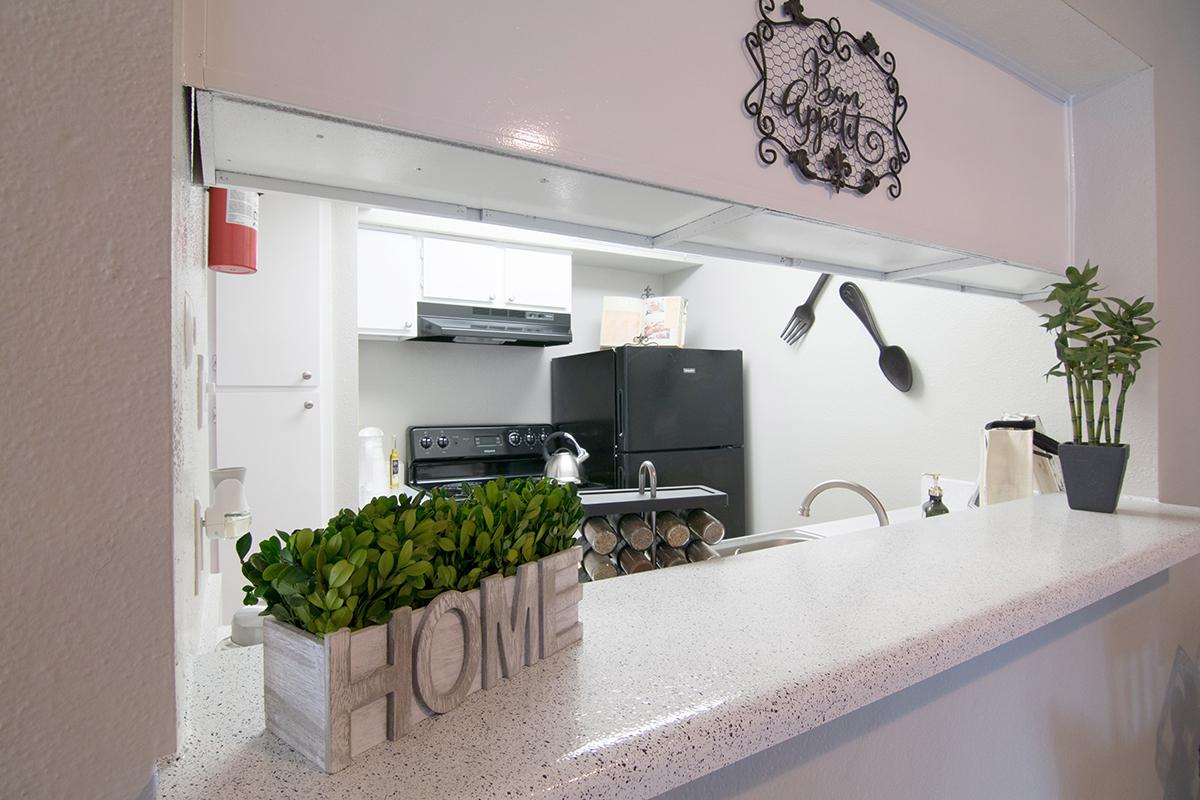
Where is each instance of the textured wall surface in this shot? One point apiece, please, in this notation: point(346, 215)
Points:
point(1165, 34)
point(654, 92)
point(1099, 705)
point(85, 221)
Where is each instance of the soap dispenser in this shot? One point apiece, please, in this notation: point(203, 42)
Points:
point(934, 507)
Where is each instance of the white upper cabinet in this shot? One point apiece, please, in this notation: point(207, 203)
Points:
point(537, 278)
point(459, 271)
point(268, 324)
point(389, 274)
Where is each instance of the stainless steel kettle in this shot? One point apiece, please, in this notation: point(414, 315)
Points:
point(563, 465)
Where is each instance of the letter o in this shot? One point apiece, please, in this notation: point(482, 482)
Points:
point(435, 701)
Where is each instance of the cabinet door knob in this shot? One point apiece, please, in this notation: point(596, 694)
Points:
point(306, 375)
point(308, 404)
point(492, 296)
point(511, 298)
point(408, 324)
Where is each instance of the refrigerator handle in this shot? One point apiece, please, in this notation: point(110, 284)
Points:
point(620, 416)
point(620, 476)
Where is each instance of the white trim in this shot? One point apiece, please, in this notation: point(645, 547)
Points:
point(968, 42)
point(1072, 206)
point(706, 223)
point(576, 229)
point(208, 147)
point(412, 205)
point(908, 273)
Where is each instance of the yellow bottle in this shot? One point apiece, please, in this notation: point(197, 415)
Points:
point(394, 467)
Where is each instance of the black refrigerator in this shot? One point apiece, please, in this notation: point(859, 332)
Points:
point(679, 408)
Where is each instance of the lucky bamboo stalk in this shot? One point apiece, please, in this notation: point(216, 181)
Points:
point(1126, 382)
point(1089, 407)
point(1106, 380)
point(1075, 423)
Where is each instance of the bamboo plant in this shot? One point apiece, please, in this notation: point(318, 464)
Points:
point(1099, 343)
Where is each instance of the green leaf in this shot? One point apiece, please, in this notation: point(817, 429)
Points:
point(333, 544)
point(243, 546)
point(303, 541)
point(386, 562)
point(273, 571)
point(340, 618)
point(340, 573)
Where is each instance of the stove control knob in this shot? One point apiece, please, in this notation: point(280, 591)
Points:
point(530, 439)
point(542, 437)
point(443, 442)
point(514, 438)
point(426, 442)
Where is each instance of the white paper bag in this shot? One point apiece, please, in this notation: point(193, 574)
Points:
point(1006, 466)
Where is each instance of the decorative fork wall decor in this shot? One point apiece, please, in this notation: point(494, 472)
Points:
point(826, 100)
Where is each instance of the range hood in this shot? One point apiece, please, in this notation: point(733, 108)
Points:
point(444, 322)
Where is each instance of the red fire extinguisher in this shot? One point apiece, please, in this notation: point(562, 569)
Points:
point(232, 230)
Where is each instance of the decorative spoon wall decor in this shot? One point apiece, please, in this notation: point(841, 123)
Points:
point(893, 361)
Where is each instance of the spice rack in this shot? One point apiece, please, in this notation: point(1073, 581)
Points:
point(606, 514)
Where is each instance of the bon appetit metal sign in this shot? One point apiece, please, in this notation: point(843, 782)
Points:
point(826, 100)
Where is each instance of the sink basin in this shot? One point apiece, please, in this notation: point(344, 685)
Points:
point(764, 541)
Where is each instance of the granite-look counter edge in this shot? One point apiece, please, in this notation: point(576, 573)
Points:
point(687, 670)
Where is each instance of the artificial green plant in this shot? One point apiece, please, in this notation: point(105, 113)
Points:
point(1099, 343)
point(401, 551)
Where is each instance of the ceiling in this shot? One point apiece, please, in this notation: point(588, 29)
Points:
point(1046, 43)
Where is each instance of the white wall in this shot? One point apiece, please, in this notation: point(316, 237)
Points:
point(424, 383)
point(653, 91)
point(1164, 33)
point(823, 410)
point(1115, 212)
point(1099, 705)
point(85, 355)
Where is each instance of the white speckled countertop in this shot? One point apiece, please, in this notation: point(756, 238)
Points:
point(684, 671)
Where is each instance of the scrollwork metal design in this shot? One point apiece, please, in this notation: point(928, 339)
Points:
point(826, 100)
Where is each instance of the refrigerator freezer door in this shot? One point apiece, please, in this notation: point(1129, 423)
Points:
point(678, 399)
point(722, 468)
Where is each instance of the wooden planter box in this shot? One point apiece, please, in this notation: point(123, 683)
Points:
point(334, 698)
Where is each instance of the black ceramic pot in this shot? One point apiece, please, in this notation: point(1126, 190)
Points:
point(1093, 474)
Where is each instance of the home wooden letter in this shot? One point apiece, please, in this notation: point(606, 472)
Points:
point(555, 600)
point(435, 701)
point(511, 628)
point(394, 681)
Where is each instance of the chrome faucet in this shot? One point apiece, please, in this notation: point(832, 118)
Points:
point(880, 511)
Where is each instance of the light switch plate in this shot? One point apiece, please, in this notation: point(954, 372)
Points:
point(189, 330)
point(200, 391)
point(199, 542)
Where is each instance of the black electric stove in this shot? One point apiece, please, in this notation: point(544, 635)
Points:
point(447, 456)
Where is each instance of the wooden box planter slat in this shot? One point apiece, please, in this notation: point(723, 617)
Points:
point(333, 699)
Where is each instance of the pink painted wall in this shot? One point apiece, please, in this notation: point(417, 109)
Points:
point(85, 299)
point(653, 91)
point(1165, 33)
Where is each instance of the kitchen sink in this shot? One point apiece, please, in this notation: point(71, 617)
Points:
point(764, 541)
